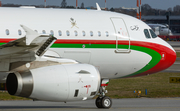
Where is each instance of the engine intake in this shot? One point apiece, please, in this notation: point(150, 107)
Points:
point(12, 84)
point(20, 84)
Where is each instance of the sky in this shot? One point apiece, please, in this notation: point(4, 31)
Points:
point(157, 4)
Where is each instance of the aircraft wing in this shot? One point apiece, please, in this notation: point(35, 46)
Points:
point(33, 44)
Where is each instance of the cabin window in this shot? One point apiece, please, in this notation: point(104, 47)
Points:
point(36, 31)
point(44, 32)
point(60, 33)
point(19, 32)
point(7, 32)
point(91, 33)
point(52, 32)
point(99, 33)
point(67, 33)
point(152, 33)
point(75, 33)
point(83, 33)
point(146, 33)
point(107, 34)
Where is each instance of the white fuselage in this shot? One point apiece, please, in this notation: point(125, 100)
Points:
point(99, 46)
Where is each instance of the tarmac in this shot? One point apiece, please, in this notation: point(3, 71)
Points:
point(175, 45)
point(133, 104)
point(174, 68)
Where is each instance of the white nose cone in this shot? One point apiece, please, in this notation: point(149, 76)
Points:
point(162, 42)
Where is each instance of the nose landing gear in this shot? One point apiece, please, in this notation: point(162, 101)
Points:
point(103, 101)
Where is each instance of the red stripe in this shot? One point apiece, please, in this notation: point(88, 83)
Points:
point(164, 63)
point(6, 40)
point(104, 84)
point(170, 55)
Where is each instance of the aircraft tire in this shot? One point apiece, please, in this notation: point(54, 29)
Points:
point(106, 102)
point(99, 102)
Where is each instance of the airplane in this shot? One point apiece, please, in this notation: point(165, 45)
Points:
point(65, 55)
point(161, 29)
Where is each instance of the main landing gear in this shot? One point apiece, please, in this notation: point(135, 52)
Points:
point(103, 101)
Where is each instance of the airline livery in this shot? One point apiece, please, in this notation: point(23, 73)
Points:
point(69, 55)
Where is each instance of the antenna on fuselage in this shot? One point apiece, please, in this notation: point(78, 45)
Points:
point(98, 7)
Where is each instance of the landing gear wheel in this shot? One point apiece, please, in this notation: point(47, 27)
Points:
point(104, 102)
point(99, 102)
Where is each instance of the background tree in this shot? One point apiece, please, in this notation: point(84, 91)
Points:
point(82, 5)
point(146, 9)
point(176, 10)
point(169, 9)
point(112, 9)
point(63, 4)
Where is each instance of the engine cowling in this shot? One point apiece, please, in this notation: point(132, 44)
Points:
point(56, 83)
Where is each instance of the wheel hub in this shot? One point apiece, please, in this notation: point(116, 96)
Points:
point(107, 102)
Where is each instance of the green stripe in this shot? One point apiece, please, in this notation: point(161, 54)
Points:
point(112, 46)
point(81, 45)
point(156, 57)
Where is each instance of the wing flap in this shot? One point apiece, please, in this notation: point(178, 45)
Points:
point(32, 42)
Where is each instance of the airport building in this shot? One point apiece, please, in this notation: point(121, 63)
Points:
point(174, 21)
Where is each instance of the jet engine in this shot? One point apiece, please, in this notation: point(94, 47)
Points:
point(61, 83)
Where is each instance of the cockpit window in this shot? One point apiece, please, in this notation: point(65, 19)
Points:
point(146, 32)
point(152, 33)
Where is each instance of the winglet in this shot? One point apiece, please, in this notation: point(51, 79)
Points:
point(30, 34)
point(98, 7)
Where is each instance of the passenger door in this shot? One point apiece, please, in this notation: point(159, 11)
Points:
point(122, 35)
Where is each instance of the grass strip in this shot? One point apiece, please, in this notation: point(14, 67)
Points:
point(178, 54)
point(157, 86)
point(5, 96)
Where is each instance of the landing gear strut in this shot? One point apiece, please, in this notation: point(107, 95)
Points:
point(103, 101)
